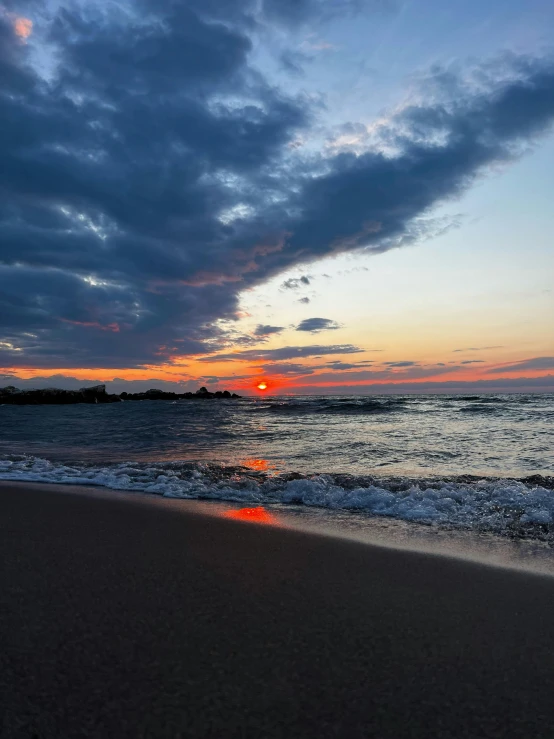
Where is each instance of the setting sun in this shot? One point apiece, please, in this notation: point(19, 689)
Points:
point(262, 386)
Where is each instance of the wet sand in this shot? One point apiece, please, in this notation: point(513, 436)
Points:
point(124, 619)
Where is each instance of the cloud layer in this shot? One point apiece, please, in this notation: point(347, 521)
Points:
point(315, 325)
point(150, 177)
point(536, 363)
point(285, 352)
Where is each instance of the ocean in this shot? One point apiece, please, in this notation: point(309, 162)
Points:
point(483, 463)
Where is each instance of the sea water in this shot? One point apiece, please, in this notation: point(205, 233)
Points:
point(480, 463)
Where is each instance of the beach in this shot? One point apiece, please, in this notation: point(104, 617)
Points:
point(126, 619)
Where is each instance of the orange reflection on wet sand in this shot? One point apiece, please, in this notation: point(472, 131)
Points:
point(254, 515)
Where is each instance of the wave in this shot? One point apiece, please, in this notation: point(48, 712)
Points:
point(346, 406)
point(515, 508)
point(479, 408)
point(486, 399)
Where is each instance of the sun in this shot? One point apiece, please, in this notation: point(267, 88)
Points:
point(262, 386)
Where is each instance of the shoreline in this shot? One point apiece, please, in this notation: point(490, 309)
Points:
point(124, 619)
point(488, 549)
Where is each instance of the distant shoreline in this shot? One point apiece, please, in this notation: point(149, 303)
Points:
point(54, 396)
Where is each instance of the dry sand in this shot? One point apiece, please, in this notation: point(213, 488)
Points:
point(123, 619)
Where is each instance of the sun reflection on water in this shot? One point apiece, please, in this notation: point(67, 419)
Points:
point(258, 465)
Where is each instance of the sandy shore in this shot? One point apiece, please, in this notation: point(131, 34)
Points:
point(123, 619)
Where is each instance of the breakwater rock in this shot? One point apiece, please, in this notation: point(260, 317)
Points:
point(54, 396)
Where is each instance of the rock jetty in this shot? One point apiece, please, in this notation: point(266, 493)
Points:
point(53, 396)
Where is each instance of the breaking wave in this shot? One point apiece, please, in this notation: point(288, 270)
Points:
point(516, 508)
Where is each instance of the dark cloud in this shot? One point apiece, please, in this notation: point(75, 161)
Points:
point(371, 374)
point(111, 172)
point(401, 364)
point(295, 12)
point(59, 381)
point(305, 301)
point(64, 320)
point(473, 361)
point(295, 282)
point(449, 387)
point(114, 385)
point(287, 368)
point(344, 366)
point(537, 363)
point(217, 379)
point(476, 349)
point(285, 352)
point(263, 330)
point(151, 178)
point(295, 369)
point(293, 62)
point(315, 325)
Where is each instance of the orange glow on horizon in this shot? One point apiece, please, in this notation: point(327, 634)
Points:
point(192, 371)
point(173, 374)
point(23, 27)
point(252, 515)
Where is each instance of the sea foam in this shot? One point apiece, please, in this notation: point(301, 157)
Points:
point(507, 507)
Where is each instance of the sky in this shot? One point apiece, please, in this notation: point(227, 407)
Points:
point(323, 196)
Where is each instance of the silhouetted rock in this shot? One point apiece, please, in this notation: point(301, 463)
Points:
point(97, 394)
point(152, 394)
point(9, 390)
point(204, 393)
point(95, 390)
point(55, 396)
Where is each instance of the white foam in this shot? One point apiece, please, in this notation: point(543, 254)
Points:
point(500, 506)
